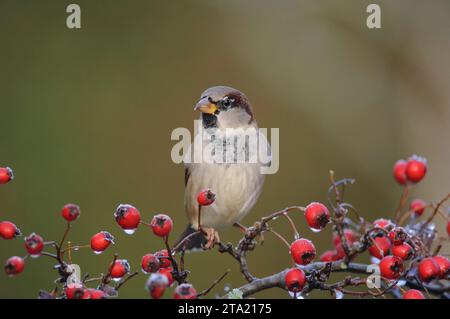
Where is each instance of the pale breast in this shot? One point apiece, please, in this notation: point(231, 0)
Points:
point(237, 187)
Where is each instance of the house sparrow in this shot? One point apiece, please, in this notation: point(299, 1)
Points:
point(237, 185)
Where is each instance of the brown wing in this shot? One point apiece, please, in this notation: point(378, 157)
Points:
point(187, 174)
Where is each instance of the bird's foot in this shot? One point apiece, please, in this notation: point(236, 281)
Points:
point(212, 238)
point(241, 227)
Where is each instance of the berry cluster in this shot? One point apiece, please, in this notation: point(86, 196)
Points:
point(406, 248)
point(161, 266)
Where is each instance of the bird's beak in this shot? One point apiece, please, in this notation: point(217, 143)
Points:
point(205, 106)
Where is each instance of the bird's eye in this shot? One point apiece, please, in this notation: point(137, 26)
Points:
point(227, 102)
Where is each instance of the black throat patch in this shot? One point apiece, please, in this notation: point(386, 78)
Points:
point(209, 120)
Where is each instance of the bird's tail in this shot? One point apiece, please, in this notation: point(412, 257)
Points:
point(194, 243)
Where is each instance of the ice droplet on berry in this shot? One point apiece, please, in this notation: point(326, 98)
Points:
point(130, 231)
point(97, 252)
point(296, 295)
point(35, 256)
point(338, 294)
point(117, 279)
point(315, 230)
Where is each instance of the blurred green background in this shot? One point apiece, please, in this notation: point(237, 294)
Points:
point(87, 115)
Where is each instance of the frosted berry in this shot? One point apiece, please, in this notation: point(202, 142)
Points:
point(403, 251)
point(76, 291)
point(101, 241)
point(168, 273)
point(96, 294)
point(417, 207)
point(156, 285)
point(317, 215)
point(70, 212)
point(161, 225)
point(6, 175)
point(149, 263)
point(120, 268)
point(303, 251)
point(34, 244)
point(295, 280)
point(206, 197)
point(399, 172)
point(185, 291)
point(380, 247)
point(128, 217)
point(413, 294)
point(14, 266)
point(8, 230)
point(398, 235)
point(444, 266)
point(164, 261)
point(416, 168)
point(391, 267)
point(428, 269)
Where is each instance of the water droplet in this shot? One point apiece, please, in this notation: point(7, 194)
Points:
point(35, 256)
point(339, 294)
point(297, 295)
point(129, 231)
point(314, 230)
point(374, 260)
point(117, 279)
point(401, 283)
point(97, 252)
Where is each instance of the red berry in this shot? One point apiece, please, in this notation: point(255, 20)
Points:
point(164, 261)
point(340, 253)
point(206, 197)
point(185, 291)
point(156, 285)
point(101, 241)
point(329, 255)
point(8, 230)
point(317, 215)
point(149, 263)
point(161, 225)
point(96, 294)
point(14, 266)
point(398, 235)
point(403, 251)
point(295, 280)
point(120, 268)
point(399, 172)
point(34, 244)
point(350, 236)
point(428, 269)
point(168, 273)
point(380, 247)
point(448, 228)
point(128, 217)
point(413, 294)
point(416, 169)
point(391, 267)
point(383, 223)
point(303, 251)
point(76, 291)
point(6, 175)
point(444, 266)
point(70, 212)
point(417, 206)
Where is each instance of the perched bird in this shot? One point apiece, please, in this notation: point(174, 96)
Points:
point(237, 184)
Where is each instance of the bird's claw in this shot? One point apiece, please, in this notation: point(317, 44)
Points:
point(212, 238)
